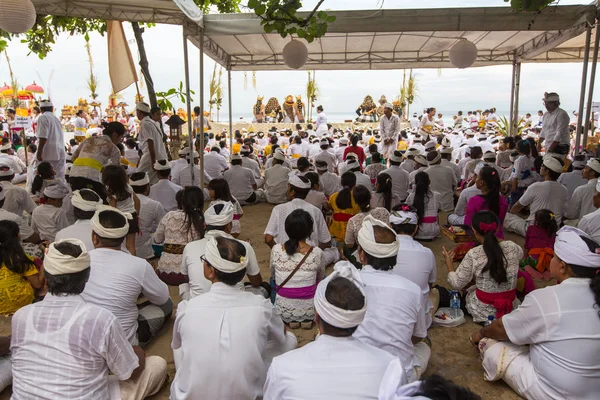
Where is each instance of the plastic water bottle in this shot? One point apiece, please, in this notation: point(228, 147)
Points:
point(489, 320)
point(334, 242)
point(455, 304)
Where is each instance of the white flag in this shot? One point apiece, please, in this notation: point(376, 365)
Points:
point(120, 63)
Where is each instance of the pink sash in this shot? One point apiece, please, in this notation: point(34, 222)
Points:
point(301, 293)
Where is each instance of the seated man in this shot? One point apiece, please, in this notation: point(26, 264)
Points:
point(7, 156)
point(218, 219)
point(184, 177)
point(73, 344)
point(395, 320)
point(276, 180)
point(458, 217)
point(164, 190)
point(223, 341)
point(118, 279)
point(151, 212)
point(85, 202)
point(581, 203)
point(242, 182)
point(49, 218)
point(27, 233)
point(214, 163)
point(548, 347)
point(16, 199)
point(335, 365)
point(590, 223)
point(329, 183)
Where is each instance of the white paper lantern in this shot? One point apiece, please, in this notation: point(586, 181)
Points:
point(17, 16)
point(295, 54)
point(463, 54)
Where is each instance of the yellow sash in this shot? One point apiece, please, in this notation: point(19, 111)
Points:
point(88, 162)
point(81, 130)
point(296, 156)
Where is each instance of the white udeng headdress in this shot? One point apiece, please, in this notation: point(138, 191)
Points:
point(109, 233)
point(214, 258)
point(366, 239)
point(56, 263)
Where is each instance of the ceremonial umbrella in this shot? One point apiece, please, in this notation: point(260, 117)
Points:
point(24, 95)
point(35, 88)
point(5, 87)
point(8, 93)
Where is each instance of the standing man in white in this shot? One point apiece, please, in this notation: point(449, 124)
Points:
point(151, 142)
point(321, 122)
point(389, 128)
point(51, 145)
point(555, 127)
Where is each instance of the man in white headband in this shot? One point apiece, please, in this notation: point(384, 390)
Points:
point(242, 182)
point(421, 164)
point(151, 212)
point(214, 163)
point(447, 161)
point(234, 328)
point(389, 129)
point(590, 223)
point(329, 183)
point(327, 155)
point(298, 188)
point(415, 262)
point(547, 195)
point(395, 316)
point(27, 233)
point(572, 180)
point(361, 179)
point(251, 164)
point(49, 218)
point(84, 333)
point(442, 180)
point(555, 134)
point(51, 146)
point(276, 180)
point(151, 142)
point(181, 162)
point(8, 157)
point(84, 202)
point(218, 219)
point(183, 177)
point(16, 199)
point(544, 346)
point(581, 203)
point(118, 279)
point(164, 190)
point(399, 173)
point(346, 368)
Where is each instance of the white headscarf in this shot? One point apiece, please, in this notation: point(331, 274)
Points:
point(571, 249)
point(331, 314)
point(395, 158)
point(211, 217)
point(214, 258)
point(366, 239)
point(140, 182)
point(401, 217)
point(109, 233)
point(6, 170)
point(295, 181)
point(552, 164)
point(56, 191)
point(56, 263)
point(435, 160)
point(158, 166)
point(84, 205)
point(594, 164)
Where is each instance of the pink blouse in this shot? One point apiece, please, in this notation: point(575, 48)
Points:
point(478, 203)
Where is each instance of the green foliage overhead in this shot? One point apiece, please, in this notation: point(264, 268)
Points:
point(164, 98)
point(529, 5)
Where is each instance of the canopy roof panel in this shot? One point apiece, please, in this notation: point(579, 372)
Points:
point(393, 39)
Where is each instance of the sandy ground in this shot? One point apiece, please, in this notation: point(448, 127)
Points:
point(452, 354)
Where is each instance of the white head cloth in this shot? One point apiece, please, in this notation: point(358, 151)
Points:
point(366, 239)
point(352, 165)
point(84, 205)
point(143, 107)
point(594, 164)
point(571, 249)
point(278, 155)
point(295, 181)
point(46, 104)
point(489, 156)
point(388, 105)
point(395, 158)
point(446, 142)
point(430, 145)
point(214, 258)
point(412, 152)
point(403, 217)
point(344, 140)
point(6, 146)
point(421, 159)
point(140, 182)
point(245, 149)
point(552, 164)
point(6, 170)
point(109, 233)
point(479, 166)
point(447, 150)
point(56, 191)
point(351, 154)
point(335, 316)
point(159, 166)
point(211, 217)
point(324, 142)
point(551, 97)
point(435, 160)
point(235, 157)
point(56, 263)
point(579, 164)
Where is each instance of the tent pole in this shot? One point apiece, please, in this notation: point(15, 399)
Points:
point(586, 58)
point(190, 121)
point(230, 109)
point(202, 144)
point(588, 111)
point(511, 131)
point(517, 87)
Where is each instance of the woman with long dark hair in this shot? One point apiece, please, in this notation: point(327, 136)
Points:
point(494, 264)
point(218, 190)
point(490, 198)
point(294, 301)
point(362, 198)
point(343, 206)
point(427, 203)
point(177, 229)
point(383, 196)
point(19, 276)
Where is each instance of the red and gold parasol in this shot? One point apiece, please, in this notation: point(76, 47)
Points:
point(35, 88)
point(8, 93)
point(24, 95)
point(5, 87)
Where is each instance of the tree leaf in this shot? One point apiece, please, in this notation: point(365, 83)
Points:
point(260, 9)
point(322, 15)
point(331, 18)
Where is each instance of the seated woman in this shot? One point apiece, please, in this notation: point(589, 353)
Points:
point(428, 204)
point(296, 268)
point(539, 244)
point(494, 265)
point(488, 182)
point(19, 277)
point(343, 206)
point(362, 198)
point(548, 347)
point(383, 196)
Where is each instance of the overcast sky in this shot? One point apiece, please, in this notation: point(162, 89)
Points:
point(341, 91)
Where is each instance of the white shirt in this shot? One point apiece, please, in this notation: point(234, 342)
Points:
point(276, 225)
point(276, 184)
point(443, 181)
point(215, 164)
point(453, 167)
point(394, 315)
point(463, 199)
point(24, 229)
point(331, 368)
point(400, 179)
point(16, 199)
point(317, 199)
point(14, 162)
point(80, 126)
point(47, 220)
point(81, 230)
point(117, 280)
point(547, 195)
point(193, 267)
point(414, 122)
point(149, 131)
point(63, 348)
point(240, 182)
point(223, 336)
point(329, 157)
point(555, 127)
point(321, 123)
point(184, 179)
point(49, 128)
point(252, 165)
point(177, 166)
point(416, 263)
point(581, 203)
point(164, 192)
point(329, 183)
point(389, 128)
point(561, 325)
point(363, 179)
point(590, 224)
point(572, 180)
point(151, 212)
point(407, 165)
